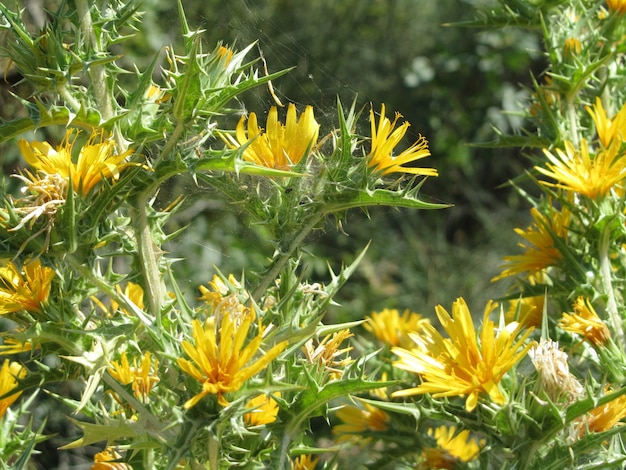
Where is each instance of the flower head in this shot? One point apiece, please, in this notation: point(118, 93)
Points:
point(134, 293)
point(304, 462)
point(280, 146)
point(327, 353)
point(586, 322)
point(528, 310)
point(541, 251)
point(465, 363)
point(45, 193)
point(618, 6)
point(9, 373)
point(264, 410)
point(385, 138)
point(25, 289)
point(392, 328)
point(143, 377)
point(109, 459)
point(357, 421)
point(555, 378)
point(603, 417)
point(219, 359)
point(609, 130)
point(96, 160)
point(579, 171)
point(452, 449)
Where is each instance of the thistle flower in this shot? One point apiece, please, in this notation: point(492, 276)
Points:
point(586, 322)
point(45, 193)
point(609, 130)
point(462, 364)
point(571, 47)
point(541, 252)
point(134, 293)
point(9, 374)
point(264, 410)
point(96, 160)
point(385, 138)
point(357, 421)
point(25, 289)
point(222, 363)
point(217, 291)
point(108, 459)
point(528, 311)
point(327, 353)
point(555, 378)
point(604, 417)
point(452, 449)
point(578, 171)
point(617, 6)
point(392, 328)
point(280, 146)
point(304, 462)
point(143, 377)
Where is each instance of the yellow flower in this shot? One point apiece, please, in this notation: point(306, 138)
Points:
point(578, 171)
point(603, 417)
point(142, 378)
point(392, 328)
point(528, 310)
point(385, 138)
point(218, 290)
point(609, 130)
point(586, 322)
point(280, 146)
point(45, 193)
point(452, 449)
point(108, 459)
point(96, 160)
point(555, 378)
point(304, 462)
point(462, 365)
point(541, 252)
point(571, 47)
point(618, 6)
point(265, 410)
point(223, 365)
point(357, 421)
point(327, 353)
point(8, 374)
point(14, 346)
point(134, 293)
point(27, 291)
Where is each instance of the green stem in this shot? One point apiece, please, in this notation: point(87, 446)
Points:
point(607, 285)
point(149, 255)
point(214, 453)
point(282, 259)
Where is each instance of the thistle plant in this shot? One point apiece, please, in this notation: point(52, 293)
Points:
point(229, 373)
point(236, 372)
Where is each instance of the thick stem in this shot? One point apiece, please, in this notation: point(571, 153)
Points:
point(607, 285)
point(149, 255)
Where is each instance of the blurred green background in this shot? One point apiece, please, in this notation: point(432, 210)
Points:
point(453, 84)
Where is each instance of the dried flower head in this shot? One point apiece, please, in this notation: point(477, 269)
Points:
point(327, 354)
point(555, 378)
